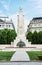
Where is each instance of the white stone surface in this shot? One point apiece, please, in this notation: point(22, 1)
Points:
point(6, 24)
point(20, 21)
point(35, 25)
point(20, 30)
point(21, 49)
point(20, 56)
point(22, 38)
point(22, 63)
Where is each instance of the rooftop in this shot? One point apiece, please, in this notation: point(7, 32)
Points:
point(1, 20)
point(37, 18)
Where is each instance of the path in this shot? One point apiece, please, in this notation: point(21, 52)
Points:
point(20, 56)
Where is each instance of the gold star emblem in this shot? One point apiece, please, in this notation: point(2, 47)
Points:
point(20, 26)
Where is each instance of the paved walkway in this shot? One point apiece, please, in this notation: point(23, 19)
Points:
point(20, 56)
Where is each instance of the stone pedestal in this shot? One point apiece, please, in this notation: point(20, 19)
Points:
point(22, 38)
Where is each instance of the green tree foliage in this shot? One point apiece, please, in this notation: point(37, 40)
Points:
point(6, 36)
point(40, 37)
point(35, 38)
point(3, 36)
point(29, 36)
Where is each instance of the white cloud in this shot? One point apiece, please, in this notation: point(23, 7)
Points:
point(39, 4)
point(14, 18)
point(2, 1)
point(1, 13)
point(37, 10)
point(39, 1)
point(5, 5)
point(26, 23)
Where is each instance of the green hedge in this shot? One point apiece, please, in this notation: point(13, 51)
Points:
point(29, 36)
point(35, 38)
point(6, 36)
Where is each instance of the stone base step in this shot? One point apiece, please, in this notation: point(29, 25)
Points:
point(22, 38)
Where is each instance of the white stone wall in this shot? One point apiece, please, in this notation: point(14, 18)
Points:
point(6, 23)
point(35, 26)
point(22, 38)
point(6, 26)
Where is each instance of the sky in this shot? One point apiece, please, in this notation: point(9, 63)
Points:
point(31, 9)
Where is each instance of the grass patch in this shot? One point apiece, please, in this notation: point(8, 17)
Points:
point(6, 56)
point(34, 54)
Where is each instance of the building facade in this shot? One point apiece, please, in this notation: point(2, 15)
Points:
point(35, 24)
point(5, 23)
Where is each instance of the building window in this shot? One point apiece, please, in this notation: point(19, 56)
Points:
point(6, 25)
point(0, 25)
point(9, 25)
point(34, 24)
point(3, 25)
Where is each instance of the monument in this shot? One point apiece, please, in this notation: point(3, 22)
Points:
point(20, 30)
point(20, 25)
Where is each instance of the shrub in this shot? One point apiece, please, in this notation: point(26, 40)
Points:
point(35, 38)
point(40, 37)
point(6, 36)
point(29, 36)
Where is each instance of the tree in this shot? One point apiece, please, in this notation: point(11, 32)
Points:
point(3, 36)
point(29, 36)
point(11, 35)
point(7, 36)
point(40, 37)
point(35, 38)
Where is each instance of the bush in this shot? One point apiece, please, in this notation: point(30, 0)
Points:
point(29, 36)
point(6, 36)
point(40, 37)
point(35, 38)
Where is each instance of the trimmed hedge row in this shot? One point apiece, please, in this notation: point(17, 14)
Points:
point(35, 38)
point(6, 36)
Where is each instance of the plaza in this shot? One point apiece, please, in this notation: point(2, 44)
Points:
point(20, 32)
point(20, 44)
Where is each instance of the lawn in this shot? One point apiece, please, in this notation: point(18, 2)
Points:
point(6, 56)
point(34, 55)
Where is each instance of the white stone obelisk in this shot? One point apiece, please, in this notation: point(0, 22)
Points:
point(20, 30)
point(20, 25)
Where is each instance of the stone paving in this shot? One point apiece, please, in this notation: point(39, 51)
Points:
point(20, 56)
point(20, 63)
